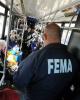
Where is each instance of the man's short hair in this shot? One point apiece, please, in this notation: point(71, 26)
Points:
point(53, 29)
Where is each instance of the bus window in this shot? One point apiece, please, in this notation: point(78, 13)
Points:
point(3, 1)
point(69, 34)
point(1, 24)
point(63, 36)
point(72, 25)
point(2, 10)
point(67, 25)
point(68, 37)
point(59, 24)
point(66, 34)
point(7, 26)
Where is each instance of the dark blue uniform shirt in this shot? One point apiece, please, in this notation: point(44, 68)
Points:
point(47, 73)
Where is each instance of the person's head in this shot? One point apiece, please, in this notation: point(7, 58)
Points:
point(2, 44)
point(29, 29)
point(51, 34)
point(32, 29)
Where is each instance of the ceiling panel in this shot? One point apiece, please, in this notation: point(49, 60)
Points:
point(16, 6)
point(39, 8)
point(42, 8)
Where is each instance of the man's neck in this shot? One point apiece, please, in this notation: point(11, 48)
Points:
point(51, 42)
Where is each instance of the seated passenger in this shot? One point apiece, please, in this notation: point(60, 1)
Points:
point(2, 55)
point(2, 49)
point(46, 74)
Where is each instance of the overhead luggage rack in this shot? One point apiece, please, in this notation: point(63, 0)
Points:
point(71, 28)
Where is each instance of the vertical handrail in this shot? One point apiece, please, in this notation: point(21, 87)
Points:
point(23, 32)
point(10, 19)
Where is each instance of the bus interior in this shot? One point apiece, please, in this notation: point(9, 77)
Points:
point(18, 17)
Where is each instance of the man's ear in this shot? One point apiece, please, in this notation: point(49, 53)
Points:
point(45, 36)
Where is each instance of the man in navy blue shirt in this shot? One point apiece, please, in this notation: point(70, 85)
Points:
point(48, 73)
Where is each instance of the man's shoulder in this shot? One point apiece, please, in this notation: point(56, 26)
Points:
point(34, 53)
point(32, 56)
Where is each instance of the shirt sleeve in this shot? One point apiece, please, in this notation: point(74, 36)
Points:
point(25, 72)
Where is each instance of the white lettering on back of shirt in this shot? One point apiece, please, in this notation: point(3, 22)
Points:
point(59, 66)
point(50, 65)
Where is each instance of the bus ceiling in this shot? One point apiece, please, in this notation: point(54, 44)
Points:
point(47, 10)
